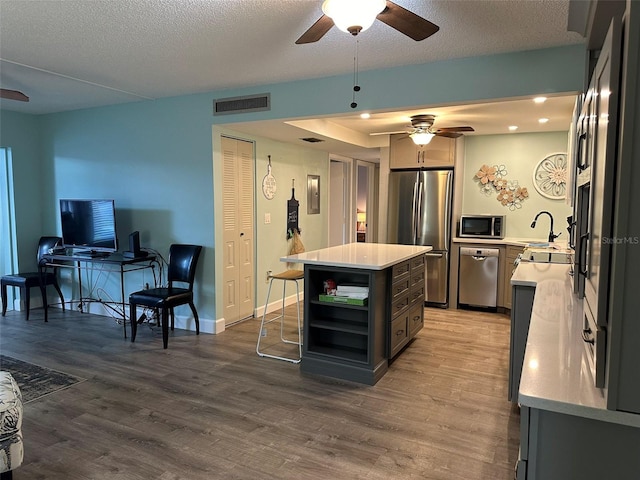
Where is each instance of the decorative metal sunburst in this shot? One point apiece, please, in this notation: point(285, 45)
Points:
point(550, 176)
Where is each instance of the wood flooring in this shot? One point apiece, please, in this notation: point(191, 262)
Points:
point(209, 408)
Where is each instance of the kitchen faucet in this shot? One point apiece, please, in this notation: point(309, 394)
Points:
point(552, 236)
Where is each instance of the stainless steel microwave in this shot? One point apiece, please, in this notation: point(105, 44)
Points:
point(482, 226)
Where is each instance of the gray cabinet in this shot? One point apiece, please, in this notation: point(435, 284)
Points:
point(511, 256)
point(557, 446)
point(345, 341)
point(520, 319)
point(407, 304)
point(356, 342)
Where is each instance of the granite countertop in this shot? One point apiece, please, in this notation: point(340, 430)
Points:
point(368, 256)
point(555, 374)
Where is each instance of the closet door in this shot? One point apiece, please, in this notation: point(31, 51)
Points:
point(238, 229)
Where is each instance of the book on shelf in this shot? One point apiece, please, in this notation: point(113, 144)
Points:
point(344, 289)
point(343, 299)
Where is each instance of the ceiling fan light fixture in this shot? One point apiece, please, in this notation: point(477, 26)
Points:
point(353, 16)
point(421, 137)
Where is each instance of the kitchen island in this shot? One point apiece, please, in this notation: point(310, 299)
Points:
point(356, 342)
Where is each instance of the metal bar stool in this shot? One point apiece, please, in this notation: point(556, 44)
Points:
point(287, 276)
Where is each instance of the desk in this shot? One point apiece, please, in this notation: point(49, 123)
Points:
point(115, 263)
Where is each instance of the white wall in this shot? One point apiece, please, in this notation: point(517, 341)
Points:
point(519, 153)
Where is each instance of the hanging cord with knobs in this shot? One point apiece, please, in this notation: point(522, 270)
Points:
point(356, 87)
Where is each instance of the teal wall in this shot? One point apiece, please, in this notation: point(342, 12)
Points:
point(155, 158)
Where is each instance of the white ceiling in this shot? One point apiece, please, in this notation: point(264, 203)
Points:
point(72, 54)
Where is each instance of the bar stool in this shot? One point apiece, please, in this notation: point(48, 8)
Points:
point(287, 276)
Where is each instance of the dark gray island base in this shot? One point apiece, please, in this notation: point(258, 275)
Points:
point(357, 343)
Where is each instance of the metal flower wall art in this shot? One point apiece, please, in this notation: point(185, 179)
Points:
point(492, 180)
point(550, 176)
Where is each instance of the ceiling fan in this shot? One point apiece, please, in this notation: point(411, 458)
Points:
point(355, 16)
point(13, 95)
point(422, 130)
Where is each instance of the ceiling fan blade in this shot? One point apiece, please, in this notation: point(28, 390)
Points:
point(13, 95)
point(407, 22)
point(455, 129)
point(316, 31)
point(448, 134)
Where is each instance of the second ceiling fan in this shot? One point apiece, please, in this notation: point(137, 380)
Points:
point(354, 16)
point(422, 130)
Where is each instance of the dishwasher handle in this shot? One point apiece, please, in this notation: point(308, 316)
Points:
point(479, 258)
point(479, 253)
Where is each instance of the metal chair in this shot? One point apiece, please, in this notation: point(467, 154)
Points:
point(287, 276)
point(182, 268)
point(26, 281)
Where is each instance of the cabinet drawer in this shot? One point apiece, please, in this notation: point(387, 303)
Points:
point(401, 287)
point(415, 319)
point(417, 293)
point(417, 263)
point(398, 334)
point(400, 305)
point(400, 270)
point(417, 277)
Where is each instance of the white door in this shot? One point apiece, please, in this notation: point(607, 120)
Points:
point(238, 228)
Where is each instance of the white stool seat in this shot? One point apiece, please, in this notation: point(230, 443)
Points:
point(286, 276)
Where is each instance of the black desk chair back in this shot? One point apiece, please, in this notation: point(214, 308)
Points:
point(26, 281)
point(182, 268)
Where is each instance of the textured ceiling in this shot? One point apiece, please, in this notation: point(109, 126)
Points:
point(72, 54)
point(69, 54)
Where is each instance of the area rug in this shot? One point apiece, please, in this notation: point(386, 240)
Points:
point(36, 381)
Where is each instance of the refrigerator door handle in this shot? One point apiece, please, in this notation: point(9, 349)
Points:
point(419, 218)
point(434, 255)
point(413, 212)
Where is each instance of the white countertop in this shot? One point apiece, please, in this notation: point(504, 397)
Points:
point(517, 242)
point(368, 256)
point(555, 373)
point(529, 274)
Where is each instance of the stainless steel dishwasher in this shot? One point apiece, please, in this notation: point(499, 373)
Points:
point(478, 277)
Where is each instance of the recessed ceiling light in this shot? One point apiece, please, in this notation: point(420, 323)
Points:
point(543, 120)
point(540, 99)
point(365, 115)
point(513, 128)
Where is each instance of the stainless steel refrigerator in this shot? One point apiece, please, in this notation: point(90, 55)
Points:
point(420, 214)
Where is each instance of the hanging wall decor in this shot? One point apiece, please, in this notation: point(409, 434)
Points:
point(550, 176)
point(492, 180)
point(292, 212)
point(269, 183)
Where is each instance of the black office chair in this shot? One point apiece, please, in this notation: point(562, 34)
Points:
point(182, 268)
point(26, 281)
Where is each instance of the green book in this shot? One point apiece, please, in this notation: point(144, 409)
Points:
point(344, 300)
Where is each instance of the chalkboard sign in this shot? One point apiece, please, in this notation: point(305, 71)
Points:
point(293, 206)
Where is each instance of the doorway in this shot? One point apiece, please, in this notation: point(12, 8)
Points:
point(339, 201)
point(366, 202)
point(8, 260)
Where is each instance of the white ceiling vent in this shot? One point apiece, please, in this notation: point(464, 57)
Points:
point(252, 103)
